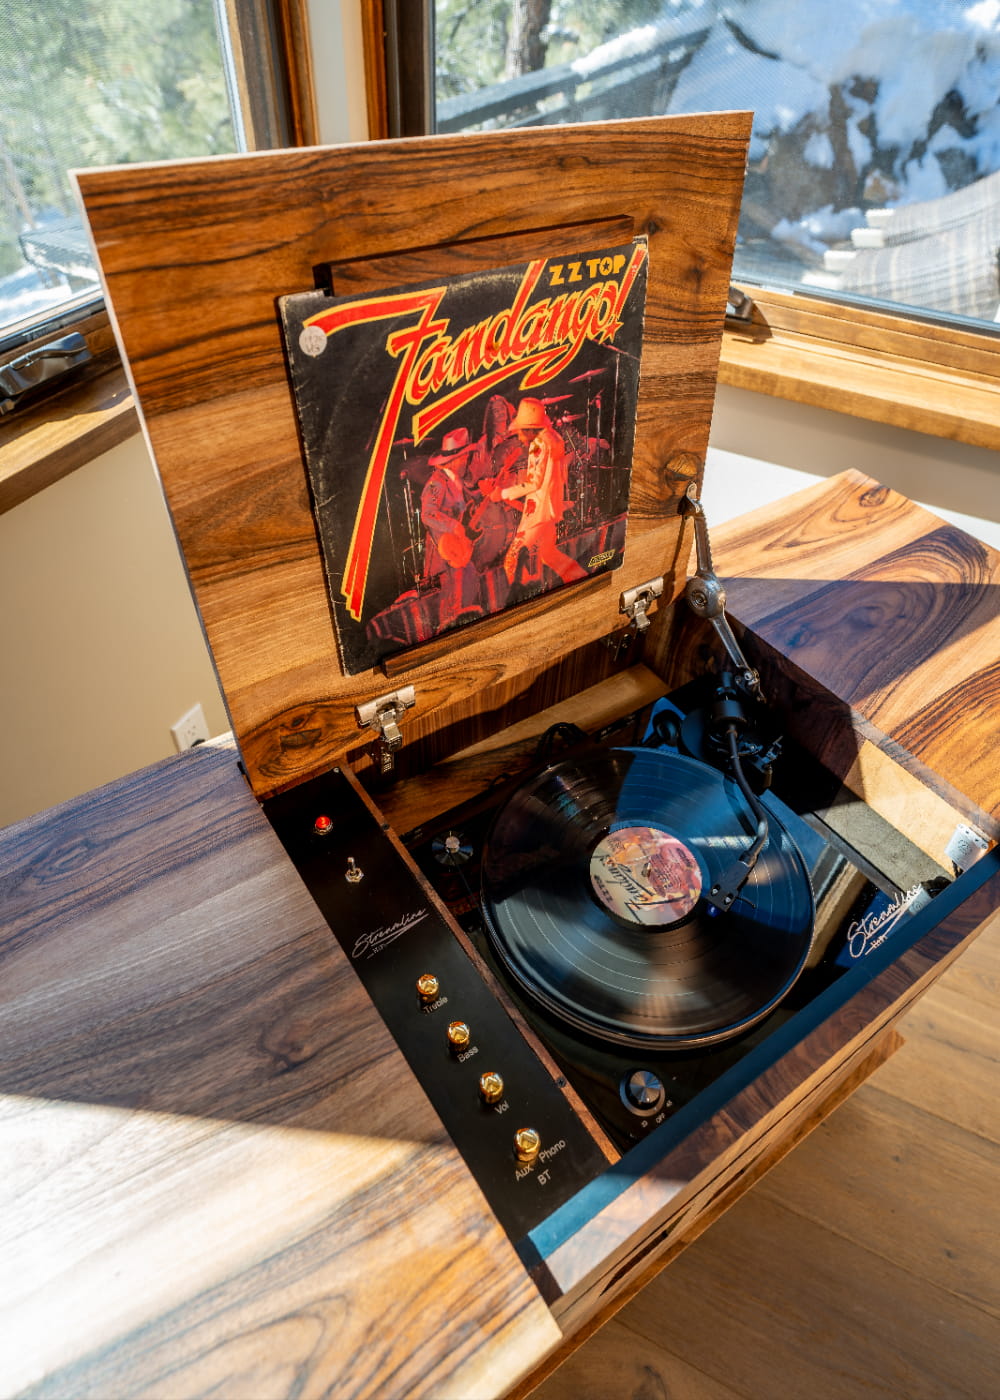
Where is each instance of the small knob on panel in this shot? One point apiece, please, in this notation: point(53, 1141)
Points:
point(459, 1035)
point(428, 986)
point(526, 1144)
point(643, 1092)
point(491, 1086)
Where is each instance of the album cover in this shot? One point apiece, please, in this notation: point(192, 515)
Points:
point(468, 441)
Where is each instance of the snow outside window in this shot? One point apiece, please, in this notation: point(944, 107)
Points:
point(875, 157)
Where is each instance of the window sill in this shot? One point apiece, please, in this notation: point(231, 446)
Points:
point(48, 440)
point(928, 378)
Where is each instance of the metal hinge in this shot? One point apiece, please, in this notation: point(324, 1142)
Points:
point(966, 846)
point(383, 715)
point(739, 307)
point(636, 602)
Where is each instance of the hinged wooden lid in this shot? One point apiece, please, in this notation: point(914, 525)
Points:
point(194, 255)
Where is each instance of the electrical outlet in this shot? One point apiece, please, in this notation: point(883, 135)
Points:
point(190, 729)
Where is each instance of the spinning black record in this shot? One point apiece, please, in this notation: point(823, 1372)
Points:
point(592, 889)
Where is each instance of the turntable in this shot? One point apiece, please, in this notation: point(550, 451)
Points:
point(539, 978)
point(596, 890)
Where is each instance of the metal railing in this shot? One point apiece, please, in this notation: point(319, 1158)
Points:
point(632, 84)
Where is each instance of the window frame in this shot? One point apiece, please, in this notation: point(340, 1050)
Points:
point(886, 366)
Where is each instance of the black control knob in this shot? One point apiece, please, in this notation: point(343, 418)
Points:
point(642, 1091)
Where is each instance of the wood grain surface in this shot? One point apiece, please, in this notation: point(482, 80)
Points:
point(193, 256)
point(870, 1251)
point(512, 750)
point(871, 364)
point(218, 1174)
point(878, 625)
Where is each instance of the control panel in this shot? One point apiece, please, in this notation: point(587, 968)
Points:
point(521, 1138)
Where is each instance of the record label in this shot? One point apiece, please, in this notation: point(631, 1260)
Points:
point(645, 875)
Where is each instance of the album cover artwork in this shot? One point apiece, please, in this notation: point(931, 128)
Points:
point(468, 441)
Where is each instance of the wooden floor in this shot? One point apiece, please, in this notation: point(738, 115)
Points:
point(865, 1264)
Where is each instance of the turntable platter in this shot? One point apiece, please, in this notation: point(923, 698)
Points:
point(592, 889)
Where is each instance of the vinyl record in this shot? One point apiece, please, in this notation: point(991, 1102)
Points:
point(592, 890)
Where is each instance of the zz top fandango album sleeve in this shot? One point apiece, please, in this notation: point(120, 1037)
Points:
point(468, 441)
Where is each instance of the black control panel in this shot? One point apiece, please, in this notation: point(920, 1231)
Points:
point(522, 1140)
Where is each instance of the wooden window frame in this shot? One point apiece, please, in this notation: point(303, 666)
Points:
point(888, 367)
point(53, 435)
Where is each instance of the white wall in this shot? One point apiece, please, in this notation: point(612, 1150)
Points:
point(102, 650)
point(764, 448)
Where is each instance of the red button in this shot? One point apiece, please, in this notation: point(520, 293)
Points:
point(323, 826)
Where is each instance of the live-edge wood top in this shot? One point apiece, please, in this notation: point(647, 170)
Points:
point(218, 1174)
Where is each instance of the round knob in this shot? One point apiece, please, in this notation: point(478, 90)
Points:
point(526, 1144)
point(428, 986)
point(459, 1035)
point(643, 1092)
point(491, 1086)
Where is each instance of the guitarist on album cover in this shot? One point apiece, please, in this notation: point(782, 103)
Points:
point(498, 459)
point(448, 548)
point(542, 489)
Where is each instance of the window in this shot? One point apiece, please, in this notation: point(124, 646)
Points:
point(875, 160)
point(107, 82)
point(872, 184)
point(125, 80)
